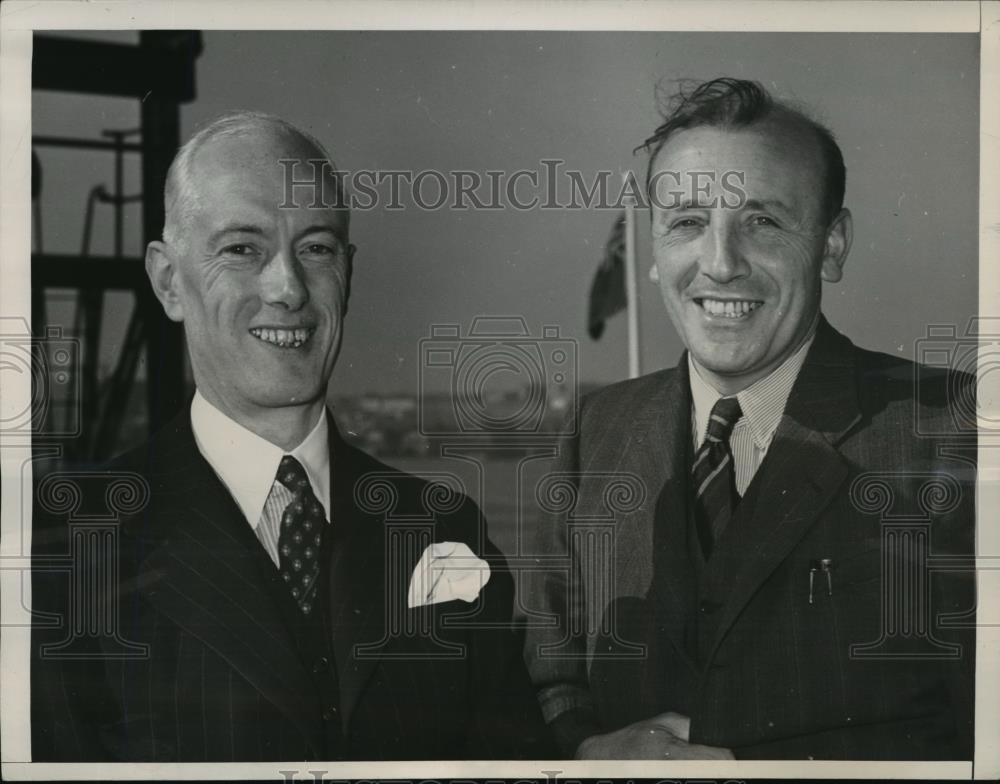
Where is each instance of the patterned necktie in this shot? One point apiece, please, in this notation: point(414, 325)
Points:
point(713, 476)
point(300, 536)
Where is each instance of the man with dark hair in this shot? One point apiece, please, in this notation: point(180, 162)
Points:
point(768, 594)
point(735, 103)
point(273, 593)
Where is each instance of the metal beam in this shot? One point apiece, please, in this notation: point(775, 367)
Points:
point(161, 131)
point(120, 386)
point(84, 144)
point(56, 271)
point(122, 70)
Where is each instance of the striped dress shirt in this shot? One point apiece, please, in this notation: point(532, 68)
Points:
point(247, 465)
point(763, 403)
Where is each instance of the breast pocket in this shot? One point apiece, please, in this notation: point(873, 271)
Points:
point(855, 573)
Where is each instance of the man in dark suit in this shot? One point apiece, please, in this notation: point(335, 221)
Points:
point(769, 590)
point(279, 595)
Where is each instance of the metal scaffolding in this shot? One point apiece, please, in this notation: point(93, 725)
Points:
point(160, 73)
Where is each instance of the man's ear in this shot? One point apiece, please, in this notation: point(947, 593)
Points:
point(839, 237)
point(164, 277)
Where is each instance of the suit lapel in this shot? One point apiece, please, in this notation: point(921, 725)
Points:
point(359, 573)
point(799, 476)
point(657, 452)
point(200, 566)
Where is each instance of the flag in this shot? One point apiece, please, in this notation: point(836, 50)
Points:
point(607, 293)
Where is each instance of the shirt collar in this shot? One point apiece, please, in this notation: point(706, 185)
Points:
point(762, 403)
point(247, 463)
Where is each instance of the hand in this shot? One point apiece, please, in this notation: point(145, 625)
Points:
point(661, 737)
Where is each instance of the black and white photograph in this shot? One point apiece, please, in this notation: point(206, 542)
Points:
point(538, 390)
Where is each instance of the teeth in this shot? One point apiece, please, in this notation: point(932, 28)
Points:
point(285, 338)
point(729, 308)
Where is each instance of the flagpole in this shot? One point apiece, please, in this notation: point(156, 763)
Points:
point(631, 291)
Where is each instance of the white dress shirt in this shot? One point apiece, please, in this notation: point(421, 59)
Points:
point(247, 464)
point(762, 403)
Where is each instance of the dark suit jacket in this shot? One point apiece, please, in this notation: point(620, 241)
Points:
point(223, 679)
point(864, 672)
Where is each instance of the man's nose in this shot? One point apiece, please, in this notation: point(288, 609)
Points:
point(722, 259)
point(283, 282)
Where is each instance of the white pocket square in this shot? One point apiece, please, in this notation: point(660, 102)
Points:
point(446, 571)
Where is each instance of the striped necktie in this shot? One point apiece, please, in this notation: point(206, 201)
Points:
point(299, 532)
point(713, 476)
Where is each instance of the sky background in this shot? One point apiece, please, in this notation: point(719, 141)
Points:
point(903, 107)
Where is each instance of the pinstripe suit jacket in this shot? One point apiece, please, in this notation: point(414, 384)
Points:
point(640, 627)
point(223, 680)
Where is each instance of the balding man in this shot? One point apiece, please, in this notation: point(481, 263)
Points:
point(769, 595)
point(298, 599)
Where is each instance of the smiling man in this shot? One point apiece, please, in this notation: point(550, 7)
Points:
point(281, 595)
point(262, 290)
point(741, 281)
point(752, 602)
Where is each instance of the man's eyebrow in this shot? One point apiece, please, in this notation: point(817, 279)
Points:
point(235, 228)
point(687, 204)
point(766, 204)
point(318, 228)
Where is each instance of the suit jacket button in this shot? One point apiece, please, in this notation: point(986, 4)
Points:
point(330, 713)
point(320, 664)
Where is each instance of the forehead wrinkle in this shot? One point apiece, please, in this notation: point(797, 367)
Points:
point(257, 152)
point(236, 228)
point(779, 138)
point(249, 138)
point(320, 228)
point(776, 205)
point(260, 151)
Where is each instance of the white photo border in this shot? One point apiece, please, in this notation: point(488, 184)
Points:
point(18, 20)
